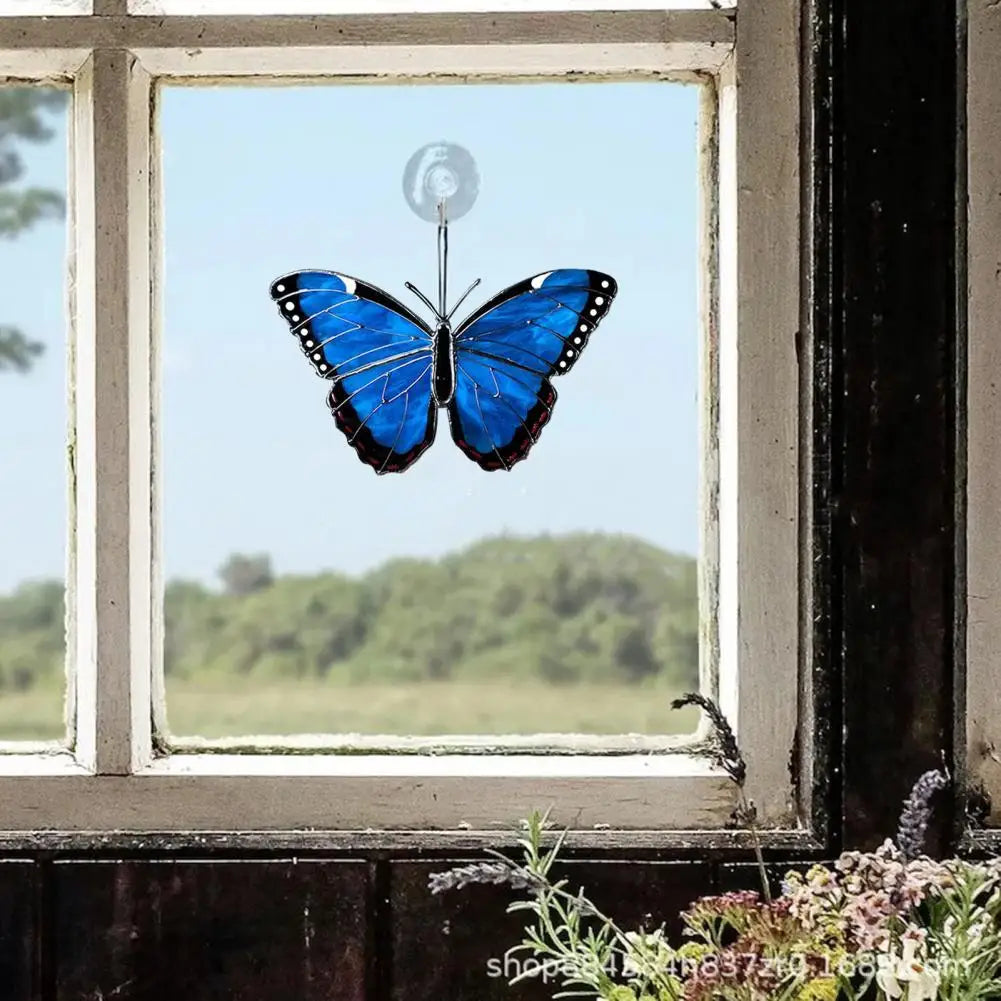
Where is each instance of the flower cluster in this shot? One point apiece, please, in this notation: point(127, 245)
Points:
point(887, 925)
point(861, 896)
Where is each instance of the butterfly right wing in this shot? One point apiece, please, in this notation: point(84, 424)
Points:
point(377, 355)
point(507, 352)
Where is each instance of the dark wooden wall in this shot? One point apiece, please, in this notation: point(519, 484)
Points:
point(882, 345)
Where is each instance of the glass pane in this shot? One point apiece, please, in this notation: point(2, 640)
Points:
point(307, 594)
point(33, 409)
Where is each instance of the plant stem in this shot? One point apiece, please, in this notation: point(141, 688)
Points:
point(750, 815)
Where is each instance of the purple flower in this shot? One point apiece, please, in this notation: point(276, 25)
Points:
point(912, 828)
point(727, 750)
point(496, 873)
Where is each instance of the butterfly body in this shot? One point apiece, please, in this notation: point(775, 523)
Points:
point(391, 372)
point(443, 366)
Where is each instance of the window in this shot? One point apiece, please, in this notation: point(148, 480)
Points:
point(128, 469)
point(33, 510)
point(983, 586)
point(560, 597)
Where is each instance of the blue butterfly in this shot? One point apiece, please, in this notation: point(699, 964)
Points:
point(390, 372)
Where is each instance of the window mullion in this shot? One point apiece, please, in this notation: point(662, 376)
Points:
point(763, 510)
point(112, 394)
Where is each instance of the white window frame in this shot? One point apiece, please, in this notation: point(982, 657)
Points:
point(113, 783)
point(983, 442)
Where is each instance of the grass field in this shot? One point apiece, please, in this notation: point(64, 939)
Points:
point(238, 708)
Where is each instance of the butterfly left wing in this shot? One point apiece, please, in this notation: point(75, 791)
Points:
point(376, 354)
point(507, 351)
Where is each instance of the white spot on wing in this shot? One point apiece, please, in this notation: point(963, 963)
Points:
point(349, 284)
point(539, 279)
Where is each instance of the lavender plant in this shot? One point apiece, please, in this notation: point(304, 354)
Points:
point(884, 925)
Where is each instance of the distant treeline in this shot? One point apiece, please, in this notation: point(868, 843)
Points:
point(560, 608)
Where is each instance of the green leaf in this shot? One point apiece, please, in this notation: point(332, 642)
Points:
point(17, 353)
point(22, 119)
point(20, 210)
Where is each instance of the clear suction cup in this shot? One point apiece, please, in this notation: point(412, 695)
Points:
point(441, 173)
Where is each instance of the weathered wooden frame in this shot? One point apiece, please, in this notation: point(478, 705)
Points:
point(112, 780)
point(979, 710)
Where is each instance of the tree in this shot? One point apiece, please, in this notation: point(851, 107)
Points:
point(22, 119)
point(582, 608)
point(242, 575)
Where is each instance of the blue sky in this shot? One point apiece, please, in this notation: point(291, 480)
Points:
point(259, 182)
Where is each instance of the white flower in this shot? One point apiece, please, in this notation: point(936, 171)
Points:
point(979, 924)
point(647, 951)
point(977, 930)
point(907, 973)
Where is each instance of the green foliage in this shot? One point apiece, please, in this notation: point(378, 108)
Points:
point(246, 574)
point(32, 631)
point(22, 119)
point(17, 352)
point(576, 608)
point(566, 609)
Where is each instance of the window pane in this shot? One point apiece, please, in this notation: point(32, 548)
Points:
point(33, 410)
point(307, 594)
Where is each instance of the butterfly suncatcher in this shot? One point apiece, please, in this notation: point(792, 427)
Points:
point(390, 372)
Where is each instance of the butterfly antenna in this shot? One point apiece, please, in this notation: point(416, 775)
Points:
point(462, 299)
point(423, 298)
point(442, 258)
